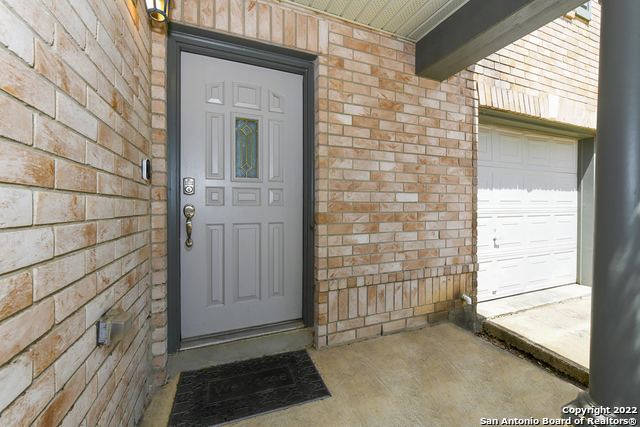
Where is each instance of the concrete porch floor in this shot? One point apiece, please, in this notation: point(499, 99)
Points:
point(554, 321)
point(436, 376)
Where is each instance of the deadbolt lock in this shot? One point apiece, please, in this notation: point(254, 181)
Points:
point(189, 186)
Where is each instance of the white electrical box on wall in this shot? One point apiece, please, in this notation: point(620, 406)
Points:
point(113, 326)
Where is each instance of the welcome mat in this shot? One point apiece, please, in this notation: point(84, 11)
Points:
point(225, 393)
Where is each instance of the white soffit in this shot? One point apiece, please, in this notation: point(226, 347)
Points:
point(409, 19)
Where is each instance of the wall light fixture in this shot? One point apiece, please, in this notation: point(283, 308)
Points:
point(158, 10)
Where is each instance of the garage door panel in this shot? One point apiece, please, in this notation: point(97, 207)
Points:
point(485, 273)
point(538, 152)
point(505, 188)
point(539, 188)
point(507, 148)
point(566, 228)
point(556, 190)
point(485, 185)
point(510, 231)
point(540, 183)
point(504, 277)
point(485, 241)
point(540, 268)
point(525, 231)
point(527, 199)
point(565, 192)
point(485, 148)
point(509, 188)
point(538, 229)
point(565, 156)
point(564, 270)
point(509, 275)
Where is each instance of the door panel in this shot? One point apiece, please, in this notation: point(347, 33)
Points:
point(215, 145)
point(241, 140)
point(276, 259)
point(216, 267)
point(246, 262)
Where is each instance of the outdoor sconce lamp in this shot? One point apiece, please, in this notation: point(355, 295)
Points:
point(158, 10)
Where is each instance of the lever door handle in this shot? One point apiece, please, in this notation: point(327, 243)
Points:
point(189, 211)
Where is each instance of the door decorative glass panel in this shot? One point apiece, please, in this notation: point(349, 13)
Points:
point(246, 148)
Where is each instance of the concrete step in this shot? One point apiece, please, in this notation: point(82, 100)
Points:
point(571, 369)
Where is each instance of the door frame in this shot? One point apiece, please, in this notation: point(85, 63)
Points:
point(183, 38)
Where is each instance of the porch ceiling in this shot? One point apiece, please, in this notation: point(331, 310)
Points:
point(410, 19)
point(450, 35)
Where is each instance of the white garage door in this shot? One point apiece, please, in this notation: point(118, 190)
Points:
point(527, 212)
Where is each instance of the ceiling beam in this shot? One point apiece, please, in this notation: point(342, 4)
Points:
point(480, 28)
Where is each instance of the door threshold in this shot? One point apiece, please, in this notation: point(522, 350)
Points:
point(240, 345)
point(239, 334)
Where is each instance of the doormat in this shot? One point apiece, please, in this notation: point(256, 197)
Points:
point(225, 393)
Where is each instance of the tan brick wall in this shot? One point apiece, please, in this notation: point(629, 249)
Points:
point(74, 212)
point(394, 173)
point(551, 73)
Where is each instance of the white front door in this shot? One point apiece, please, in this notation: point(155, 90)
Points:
point(527, 212)
point(241, 143)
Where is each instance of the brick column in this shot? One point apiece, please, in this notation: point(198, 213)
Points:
point(159, 203)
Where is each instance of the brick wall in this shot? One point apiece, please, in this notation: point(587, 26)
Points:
point(393, 172)
point(551, 73)
point(74, 212)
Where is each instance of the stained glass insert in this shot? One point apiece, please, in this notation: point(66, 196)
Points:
point(246, 148)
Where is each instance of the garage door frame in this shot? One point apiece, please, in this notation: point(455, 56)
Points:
point(586, 175)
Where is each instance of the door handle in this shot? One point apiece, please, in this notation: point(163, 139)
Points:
point(189, 211)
